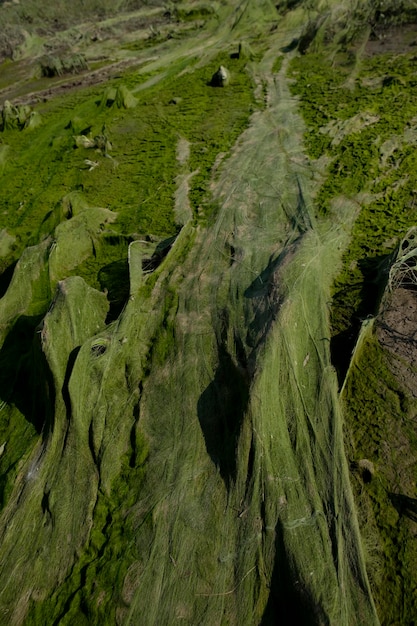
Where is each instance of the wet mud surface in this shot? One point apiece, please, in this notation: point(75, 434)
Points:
point(397, 333)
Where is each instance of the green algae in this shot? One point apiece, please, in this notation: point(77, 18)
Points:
point(44, 167)
point(363, 129)
point(356, 166)
point(92, 591)
point(79, 221)
point(379, 417)
point(273, 499)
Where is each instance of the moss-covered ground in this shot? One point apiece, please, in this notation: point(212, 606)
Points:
point(366, 130)
point(360, 110)
point(380, 423)
point(183, 267)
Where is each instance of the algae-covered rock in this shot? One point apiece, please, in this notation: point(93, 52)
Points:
point(99, 142)
point(221, 78)
point(18, 117)
point(102, 143)
point(120, 97)
point(58, 65)
point(73, 203)
point(244, 51)
point(135, 257)
point(9, 116)
point(124, 98)
point(29, 292)
point(81, 141)
point(108, 98)
point(75, 240)
point(34, 120)
point(78, 312)
point(60, 510)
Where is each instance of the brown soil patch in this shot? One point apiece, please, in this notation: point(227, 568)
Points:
point(397, 333)
point(393, 40)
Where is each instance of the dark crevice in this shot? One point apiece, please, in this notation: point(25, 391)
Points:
point(65, 387)
point(25, 378)
point(266, 296)
point(369, 293)
point(290, 602)
point(222, 406)
point(5, 278)
point(91, 443)
point(66, 608)
point(341, 346)
point(301, 220)
point(308, 36)
point(283, 6)
point(161, 251)
point(133, 442)
point(366, 476)
point(114, 279)
point(45, 504)
point(251, 463)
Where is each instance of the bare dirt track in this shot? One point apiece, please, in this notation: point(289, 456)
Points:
point(71, 83)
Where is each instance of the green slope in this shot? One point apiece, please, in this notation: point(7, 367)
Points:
point(184, 268)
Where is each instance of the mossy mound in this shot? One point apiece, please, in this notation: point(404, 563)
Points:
point(51, 66)
point(119, 97)
point(18, 117)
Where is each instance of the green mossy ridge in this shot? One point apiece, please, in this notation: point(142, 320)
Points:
point(379, 411)
point(78, 311)
point(277, 64)
point(18, 436)
point(112, 430)
point(77, 239)
point(35, 164)
point(221, 316)
point(21, 379)
point(92, 592)
point(24, 376)
point(59, 65)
